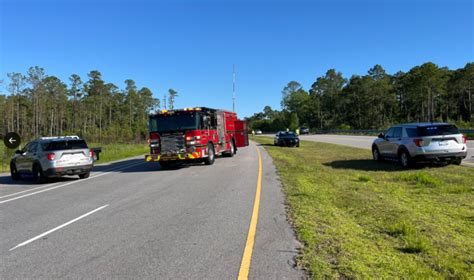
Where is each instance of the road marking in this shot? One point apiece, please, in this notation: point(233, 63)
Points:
point(49, 185)
point(247, 256)
point(57, 228)
point(70, 183)
point(29, 190)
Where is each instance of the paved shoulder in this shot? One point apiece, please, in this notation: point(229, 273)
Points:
point(276, 246)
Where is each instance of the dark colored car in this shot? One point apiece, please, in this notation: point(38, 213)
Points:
point(287, 138)
point(304, 130)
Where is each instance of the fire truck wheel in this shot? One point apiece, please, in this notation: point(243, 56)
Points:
point(231, 153)
point(211, 155)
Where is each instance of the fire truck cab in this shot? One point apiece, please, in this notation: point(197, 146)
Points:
point(194, 134)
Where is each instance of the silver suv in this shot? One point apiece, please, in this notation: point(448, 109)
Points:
point(53, 157)
point(411, 143)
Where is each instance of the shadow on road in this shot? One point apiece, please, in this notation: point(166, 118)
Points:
point(27, 180)
point(139, 165)
point(126, 166)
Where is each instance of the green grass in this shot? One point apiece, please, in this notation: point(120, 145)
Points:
point(5, 155)
point(360, 219)
point(110, 152)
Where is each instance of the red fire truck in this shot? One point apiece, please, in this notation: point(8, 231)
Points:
point(194, 134)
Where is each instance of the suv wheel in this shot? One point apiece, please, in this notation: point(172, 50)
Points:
point(38, 175)
point(14, 172)
point(376, 154)
point(84, 175)
point(211, 155)
point(457, 161)
point(404, 159)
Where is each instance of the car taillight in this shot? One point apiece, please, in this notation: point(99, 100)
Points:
point(51, 156)
point(418, 142)
point(91, 153)
point(464, 139)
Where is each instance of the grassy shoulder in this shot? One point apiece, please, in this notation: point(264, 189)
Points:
point(110, 152)
point(361, 219)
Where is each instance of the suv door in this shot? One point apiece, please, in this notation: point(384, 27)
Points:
point(395, 141)
point(30, 156)
point(384, 146)
point(20, 159)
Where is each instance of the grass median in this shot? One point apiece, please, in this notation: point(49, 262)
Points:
point(110, 152)
point(360, 219)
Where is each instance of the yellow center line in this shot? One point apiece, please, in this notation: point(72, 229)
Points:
point(247, 257)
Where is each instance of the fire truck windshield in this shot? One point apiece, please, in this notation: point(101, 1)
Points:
point(178, 122)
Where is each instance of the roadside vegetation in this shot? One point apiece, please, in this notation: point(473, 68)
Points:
point(36, 104)
point(376, 100)
point(110, 152)
point(361, 219)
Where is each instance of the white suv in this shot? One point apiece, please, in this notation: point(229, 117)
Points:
point(53, 157)
point(411, 143)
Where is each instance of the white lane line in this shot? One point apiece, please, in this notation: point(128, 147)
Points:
point(49, 185)
point(29, 190)
point(57, 228)
point(70, 183)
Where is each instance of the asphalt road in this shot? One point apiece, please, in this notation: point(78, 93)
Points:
point(133, 220)
point(365, 142)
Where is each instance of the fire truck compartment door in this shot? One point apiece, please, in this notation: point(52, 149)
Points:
point(241, 134)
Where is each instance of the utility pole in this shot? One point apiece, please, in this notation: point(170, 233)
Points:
point(233, 87)
point(100, 116)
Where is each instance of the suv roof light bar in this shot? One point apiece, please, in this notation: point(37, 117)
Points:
point(75, 137)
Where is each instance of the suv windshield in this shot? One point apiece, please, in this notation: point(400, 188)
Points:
point(166, 123)
point(65, 145)
point(288, 134)
point(435, 130)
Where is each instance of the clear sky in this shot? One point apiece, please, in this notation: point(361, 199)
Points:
point(190, 46)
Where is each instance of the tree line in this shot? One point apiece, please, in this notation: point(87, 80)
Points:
point(374, 101)
point(38, 105)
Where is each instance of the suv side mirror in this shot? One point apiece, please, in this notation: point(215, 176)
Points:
point(381, 135)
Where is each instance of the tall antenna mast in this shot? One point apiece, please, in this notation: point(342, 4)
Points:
point(233, 87)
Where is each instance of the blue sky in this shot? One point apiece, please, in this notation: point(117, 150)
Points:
point(191, 45)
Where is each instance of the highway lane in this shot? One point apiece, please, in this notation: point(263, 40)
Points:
point(365, 142)
point(133, 220)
